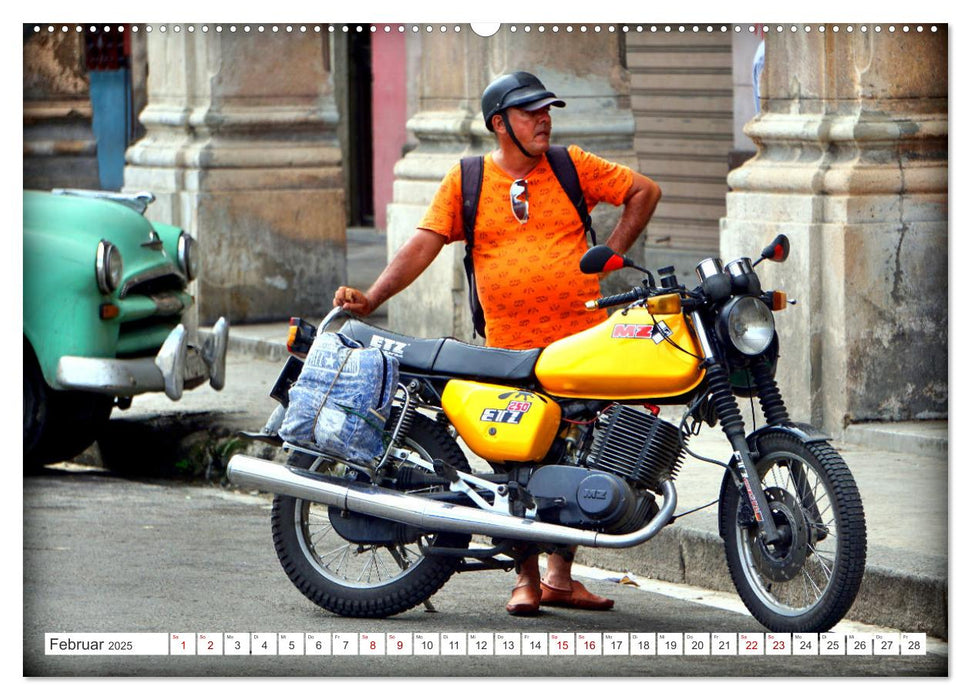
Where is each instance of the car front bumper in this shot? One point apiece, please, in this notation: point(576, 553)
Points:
point(177, 366)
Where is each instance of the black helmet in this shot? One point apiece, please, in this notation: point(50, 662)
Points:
point(519, 89)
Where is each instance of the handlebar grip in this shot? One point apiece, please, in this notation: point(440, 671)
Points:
point(616, 299)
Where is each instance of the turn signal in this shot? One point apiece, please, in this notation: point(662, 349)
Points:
point(665, 304)
point(779, 301)
point(292, 336)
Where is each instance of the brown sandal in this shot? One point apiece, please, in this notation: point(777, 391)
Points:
point(575, 597)
point(524, 601)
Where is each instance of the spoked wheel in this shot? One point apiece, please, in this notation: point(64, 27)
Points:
point(357, 566)
point(808, 580)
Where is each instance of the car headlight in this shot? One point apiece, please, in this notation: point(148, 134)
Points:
point(188, 256)
point(107, 267)
point(749, 325)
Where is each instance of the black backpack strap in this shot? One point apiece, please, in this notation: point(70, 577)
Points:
point(566, 172)
point(472, 168)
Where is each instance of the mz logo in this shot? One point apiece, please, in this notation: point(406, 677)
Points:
point(594, 494)
point(632, 330)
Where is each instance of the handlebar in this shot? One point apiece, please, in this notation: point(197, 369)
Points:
point(635, 294)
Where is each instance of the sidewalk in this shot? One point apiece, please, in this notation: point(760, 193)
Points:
point(901, 470)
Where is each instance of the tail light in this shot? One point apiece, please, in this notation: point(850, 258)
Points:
point(300, 336)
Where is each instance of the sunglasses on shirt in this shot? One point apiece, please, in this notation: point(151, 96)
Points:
point(519, 199)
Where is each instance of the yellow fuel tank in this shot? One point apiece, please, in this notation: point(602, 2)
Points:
point(501, 423)
point(626, 357)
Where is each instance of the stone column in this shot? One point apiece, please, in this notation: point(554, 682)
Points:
point(586, 70)
point(852, 165)
point(241, 150)
point(59, 145)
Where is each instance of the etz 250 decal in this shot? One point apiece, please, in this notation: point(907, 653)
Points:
point(512, 413)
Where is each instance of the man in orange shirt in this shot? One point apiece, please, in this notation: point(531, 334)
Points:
point(528, 243)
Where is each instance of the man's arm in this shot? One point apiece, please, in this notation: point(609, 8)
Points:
point(639, 205)
point(410, 261)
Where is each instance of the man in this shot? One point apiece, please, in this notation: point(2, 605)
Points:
point(528, 243)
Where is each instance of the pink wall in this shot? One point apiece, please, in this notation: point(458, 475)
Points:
point(389, 114)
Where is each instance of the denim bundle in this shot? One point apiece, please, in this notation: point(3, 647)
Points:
point(342, 399)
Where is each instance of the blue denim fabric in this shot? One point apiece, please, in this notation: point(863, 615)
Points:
point(342, 399)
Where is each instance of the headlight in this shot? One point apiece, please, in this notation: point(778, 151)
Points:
point(749, 324)
point(188, 255)
point(107, 267)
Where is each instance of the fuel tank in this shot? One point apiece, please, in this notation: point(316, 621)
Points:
point(629, 356)
point(501, 423)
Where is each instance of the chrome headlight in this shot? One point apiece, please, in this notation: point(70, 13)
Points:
point(107, 267)
point(188, 256)
point(749, 325)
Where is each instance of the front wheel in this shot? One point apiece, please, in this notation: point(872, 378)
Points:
point(360, 578)
point(58, 425)
point(807, 581)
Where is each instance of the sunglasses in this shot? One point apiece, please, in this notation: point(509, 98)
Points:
point(519, 199)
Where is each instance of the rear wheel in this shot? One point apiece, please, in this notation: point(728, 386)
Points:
point(808, 581)
point(362, 579)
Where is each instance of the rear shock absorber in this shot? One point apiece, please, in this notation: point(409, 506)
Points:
point(770, 397)
point(403, 426)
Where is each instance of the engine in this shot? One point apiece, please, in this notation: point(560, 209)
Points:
point(636, 446)
point(610, 489)
point(578, 497)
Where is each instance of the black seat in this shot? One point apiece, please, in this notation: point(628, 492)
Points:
point(413, 353)
point(446, 356)
point(465, 359)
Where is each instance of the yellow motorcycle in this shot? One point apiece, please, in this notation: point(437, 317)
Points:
point(572, 452)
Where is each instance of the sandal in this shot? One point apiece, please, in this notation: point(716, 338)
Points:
point(524, 601)
point(575, 597)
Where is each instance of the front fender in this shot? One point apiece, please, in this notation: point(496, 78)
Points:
point(61, 302)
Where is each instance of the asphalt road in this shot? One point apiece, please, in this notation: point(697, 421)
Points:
point(105, 553)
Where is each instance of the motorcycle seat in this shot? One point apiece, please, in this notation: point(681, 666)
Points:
point(446, 356)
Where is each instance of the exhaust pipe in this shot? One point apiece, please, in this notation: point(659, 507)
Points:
point(429, 515)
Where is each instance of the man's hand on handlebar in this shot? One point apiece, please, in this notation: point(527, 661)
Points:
point(353, 300)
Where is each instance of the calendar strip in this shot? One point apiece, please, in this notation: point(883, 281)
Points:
point(483, 644)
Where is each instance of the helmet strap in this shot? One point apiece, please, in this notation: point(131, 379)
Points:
point(512, 135)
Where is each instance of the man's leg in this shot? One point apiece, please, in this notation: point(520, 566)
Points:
point(525, 596)
point(559, 588)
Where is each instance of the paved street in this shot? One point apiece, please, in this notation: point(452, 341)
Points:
point(104, 553)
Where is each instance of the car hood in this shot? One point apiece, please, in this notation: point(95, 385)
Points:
point(74, 225)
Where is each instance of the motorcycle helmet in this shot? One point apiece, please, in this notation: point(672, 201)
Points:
point(519, 89)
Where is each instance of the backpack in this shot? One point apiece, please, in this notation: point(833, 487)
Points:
point(472, 166)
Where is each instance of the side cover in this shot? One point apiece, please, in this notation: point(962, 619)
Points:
point(501, 423)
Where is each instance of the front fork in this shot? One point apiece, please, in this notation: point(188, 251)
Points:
point(730, 418)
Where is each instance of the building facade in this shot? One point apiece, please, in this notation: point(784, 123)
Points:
point(269, 144)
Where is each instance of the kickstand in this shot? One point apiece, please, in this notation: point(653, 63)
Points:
point(428, 606)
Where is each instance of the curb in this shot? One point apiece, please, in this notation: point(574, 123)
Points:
point(907, 437)
point(887, 597)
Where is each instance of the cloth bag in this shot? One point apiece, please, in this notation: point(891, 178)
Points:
point(342, 399)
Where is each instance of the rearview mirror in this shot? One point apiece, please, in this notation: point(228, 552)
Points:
point(777, 250)
point(600, 258)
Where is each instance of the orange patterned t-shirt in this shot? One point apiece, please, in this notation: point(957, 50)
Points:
point(528, 274)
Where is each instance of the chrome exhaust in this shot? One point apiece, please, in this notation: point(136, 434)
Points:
point(429, 515)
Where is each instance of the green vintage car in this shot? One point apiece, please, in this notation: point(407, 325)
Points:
point(104, 296)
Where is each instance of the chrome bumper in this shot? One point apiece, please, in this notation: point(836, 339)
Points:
point(177, 366)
